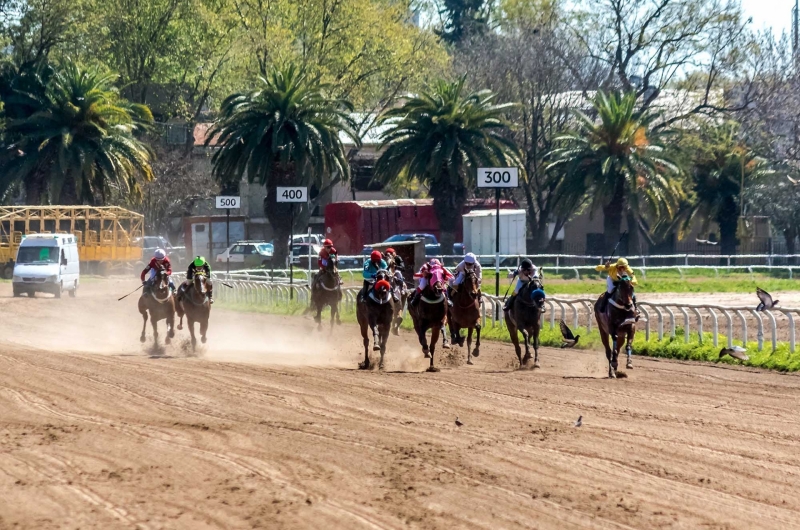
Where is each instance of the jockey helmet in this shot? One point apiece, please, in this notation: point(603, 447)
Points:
point(469, 258)
point(382, 285)
point(160, 254)
point(526, 265)
point(622, 262)
point(199, 261)
point(375, 256)
point(435, 263)
point(390, 250)
point(327, 243)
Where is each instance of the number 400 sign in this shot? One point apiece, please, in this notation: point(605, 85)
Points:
point(498, 177)
point(293, 194)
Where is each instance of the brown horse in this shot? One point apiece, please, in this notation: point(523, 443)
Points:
point(194, 304)
point(326, 291)
point(160, 304)
point(374, 313)
point(617, 321)
point(466, 313)
point(400, 295)
point(525, 316)
point(430, 313)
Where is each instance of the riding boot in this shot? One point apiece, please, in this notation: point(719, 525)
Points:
point(635, 309)
point(415, 298)
point(210, 295)
point(509, 302)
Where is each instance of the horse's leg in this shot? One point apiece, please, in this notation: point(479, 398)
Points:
point(618, 344)
point(443, 332)
point(190, 325)
point(512, 332)
point(364, 325)
point(469, 345)
point(420, 328)
point(604, 338)
point(179, 310)
point(154, 323)
point(526, 338)
point(203, 328)
point(144, 326)
point(385, 330)
point(629, 349)
point(477, 350)
point(536, 330)
point(334, 312)
point(170, 326)
point(435, 330)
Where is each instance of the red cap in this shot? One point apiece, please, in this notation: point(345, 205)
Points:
point(375, 256)
point(383, 285)
point(327, 243)
point(390, 249)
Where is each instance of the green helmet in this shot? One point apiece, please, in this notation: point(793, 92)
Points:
point(199, 261)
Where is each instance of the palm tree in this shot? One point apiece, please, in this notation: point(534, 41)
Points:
point(285, 133)
point(619, 161)
point(721, 164)
point(78, 140)
point(441, 138)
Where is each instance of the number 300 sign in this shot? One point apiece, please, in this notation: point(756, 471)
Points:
point(498, 177)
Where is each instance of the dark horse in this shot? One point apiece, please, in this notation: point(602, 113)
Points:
point(374, 314)
point(466, 313)
point(430, 314)
point(160, 304)
point(194, 304)
point(401, 296)
point(525, 315)
point(327, 291)
point(617, 321)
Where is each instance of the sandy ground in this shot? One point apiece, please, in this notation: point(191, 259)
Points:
point(270, 426)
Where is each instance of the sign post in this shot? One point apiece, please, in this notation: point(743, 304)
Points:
point(292, 195)
point(227, 202)
point(497, 178)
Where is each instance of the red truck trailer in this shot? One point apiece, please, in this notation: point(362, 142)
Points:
point(353, 224)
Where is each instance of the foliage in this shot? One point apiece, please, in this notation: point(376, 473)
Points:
point(464, 19)
point(79, 139)
point(285, 133)
point(620, 161)
point(441, 137)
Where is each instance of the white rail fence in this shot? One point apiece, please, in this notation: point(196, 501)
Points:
point(665, 320)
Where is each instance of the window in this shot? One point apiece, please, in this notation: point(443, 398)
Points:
point(250, 249)
point(237, 249)
point(34, 255)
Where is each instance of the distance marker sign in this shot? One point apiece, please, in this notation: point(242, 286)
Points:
point(293, 194)
point(227, 202)
point(498, 177)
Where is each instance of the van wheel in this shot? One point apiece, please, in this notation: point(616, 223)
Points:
point(74, 291)
point(6, 272)
point(58, 290)
point(17, 292)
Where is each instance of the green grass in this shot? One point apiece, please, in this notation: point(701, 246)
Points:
point(781, 359)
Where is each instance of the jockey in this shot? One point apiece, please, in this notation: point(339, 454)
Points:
point(469, 263)
point(374, 264)
point(424, 276)
point(526, 272)
point(159, 261)
point(399, 266)
point(615, 271)
point(324, 254)
point(199, 264)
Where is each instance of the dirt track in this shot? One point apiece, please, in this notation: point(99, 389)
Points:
point(271, 427)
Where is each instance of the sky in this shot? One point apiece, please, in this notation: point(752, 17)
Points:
point(770, 13)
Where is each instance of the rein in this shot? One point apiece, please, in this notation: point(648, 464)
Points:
point(168, 295)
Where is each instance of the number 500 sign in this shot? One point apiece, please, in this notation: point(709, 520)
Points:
point(498, 177)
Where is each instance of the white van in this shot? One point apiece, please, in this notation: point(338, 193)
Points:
point(47, 263)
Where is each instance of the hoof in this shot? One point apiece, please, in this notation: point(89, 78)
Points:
point(395, 332)
point(612, 374)
point(364, 366)
point(446, 346)
point(461, 342)
point(629, 365)
point(142, 338)
point(376, 347)
point(381, 366)
point(432, 369)
point(171, 334)
point(537, 365)
point(180, 327)
point(203, 340)
point(168, 340)
point(476, 352)
point(469, 361)
point(426, 353)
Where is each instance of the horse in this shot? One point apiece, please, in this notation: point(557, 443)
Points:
point(327, 291)
point(430, 313)
point(401, 293)
point(466, 313)
point(160, 304)
point(618, 321)
point(194, 304)
point(374, 313)
point(526, 316)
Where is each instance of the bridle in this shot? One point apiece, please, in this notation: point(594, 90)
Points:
point(161, 284)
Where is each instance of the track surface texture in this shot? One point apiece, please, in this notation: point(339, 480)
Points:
point(271, 426)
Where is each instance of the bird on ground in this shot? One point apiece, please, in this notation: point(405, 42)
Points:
point(579, 422)
point(459, 423)
point(793, 181)
point(766, 300)
point(569, 338)
point(737, 352)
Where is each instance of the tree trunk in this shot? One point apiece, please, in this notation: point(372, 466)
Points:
point(727, 218)
point(612, 216)
point(634, 246)
point(280, 215)
point(34, 186)
point(790, 235)
point(448, 203)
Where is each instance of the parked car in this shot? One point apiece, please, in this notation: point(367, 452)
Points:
point(247, 254)
point(314, 239)
point(300, 252)
point(151, 243)
point(432, 245)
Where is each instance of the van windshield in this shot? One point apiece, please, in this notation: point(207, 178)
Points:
point(36, 255)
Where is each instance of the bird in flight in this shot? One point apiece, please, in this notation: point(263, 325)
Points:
point(459, 423)
point(793, 181)
point(579, 422)
point(737, 352)
point(569, 339)
point(766, 301)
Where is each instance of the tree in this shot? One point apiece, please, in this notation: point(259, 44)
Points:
point(778, 198)
point(441, 137)
point(620, 162)
point(720, 163)
point(463, 19)
point(79, 140)
point(285, 133)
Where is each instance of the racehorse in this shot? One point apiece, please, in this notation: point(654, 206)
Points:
point(401, 294)
point(374, 314)
point(430, 313)
point(327, 291)
point(160, 304)
point(194, 304)
point(618, 322)
point(466, 313)
point(525, 315)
